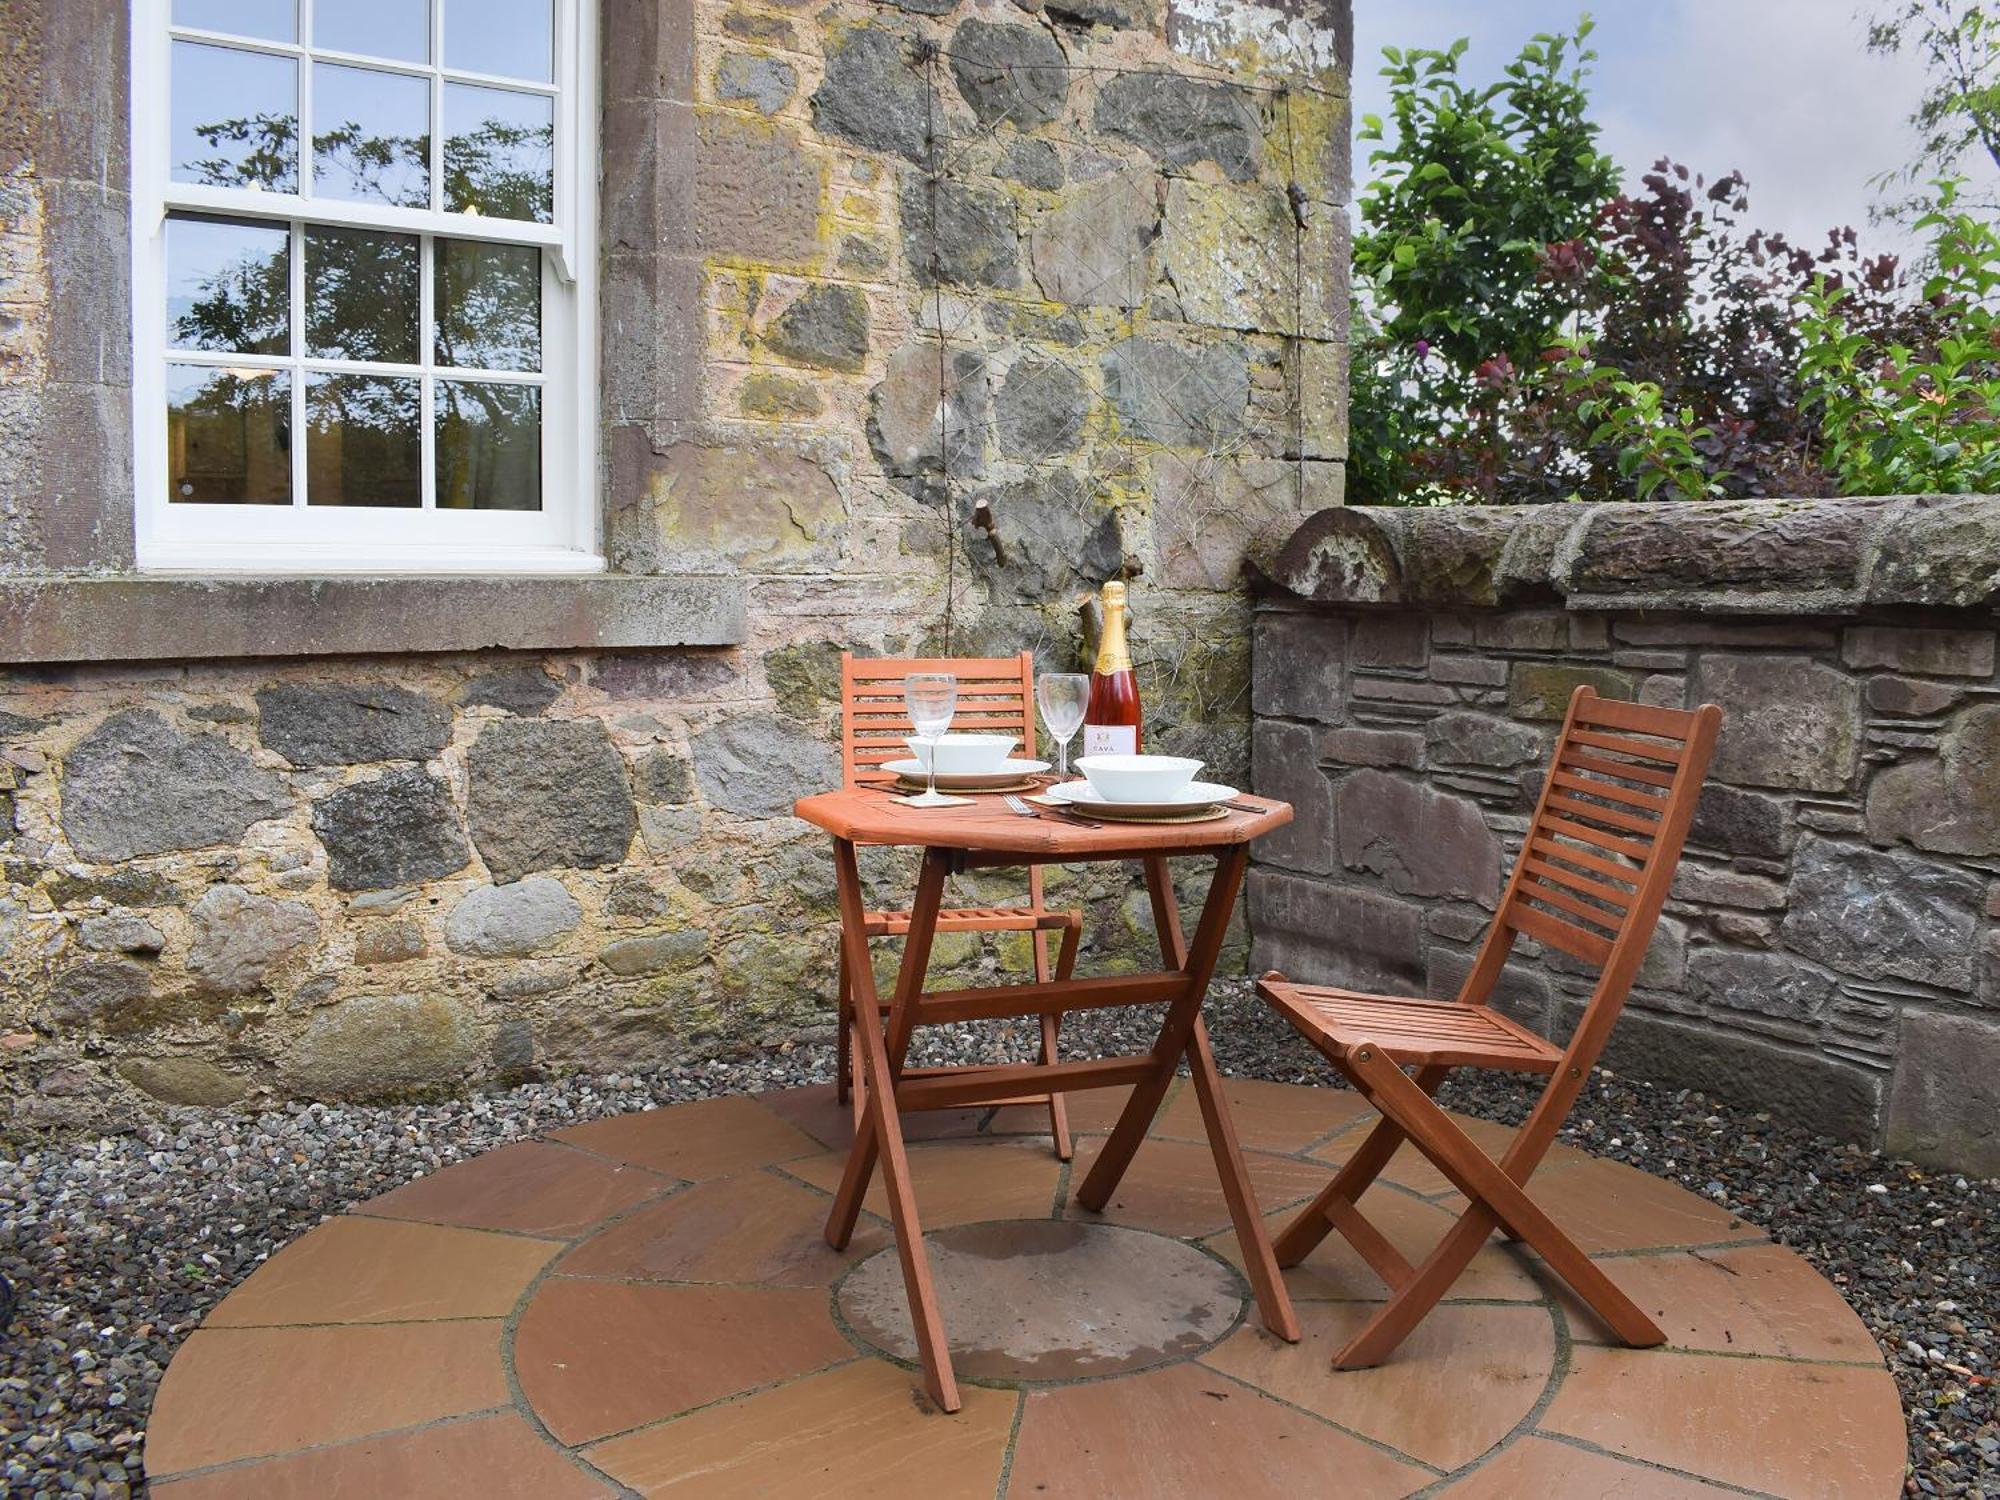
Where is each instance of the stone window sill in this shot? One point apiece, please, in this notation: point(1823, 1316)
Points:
point(136, 618)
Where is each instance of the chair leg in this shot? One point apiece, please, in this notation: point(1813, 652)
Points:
point(1058, 1109)
point(1313, 1222)
point(843, 1076)
point(1496, 1200)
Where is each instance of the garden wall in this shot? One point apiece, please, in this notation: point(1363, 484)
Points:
point(1832, 948)
point(918, 320)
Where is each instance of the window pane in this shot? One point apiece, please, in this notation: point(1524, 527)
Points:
point(499, 153)
point(235, 118)
point(489, 446)
point(508, 38)
point(229, 285)
point(363, 295)
point(364, 441)
point(229, 436)
point(267, 20)
point(489, 305)
point(371, 136)
point(375, 28)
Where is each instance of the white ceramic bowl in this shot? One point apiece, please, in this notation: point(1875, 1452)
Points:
point(964, 754)
point(1138, 778)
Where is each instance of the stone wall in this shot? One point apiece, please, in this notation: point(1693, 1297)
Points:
point(917, 322)
point(1832, 948)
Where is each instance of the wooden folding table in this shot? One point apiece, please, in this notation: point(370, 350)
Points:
point(987, 835)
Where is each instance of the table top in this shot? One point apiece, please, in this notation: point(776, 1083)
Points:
point(870, 815)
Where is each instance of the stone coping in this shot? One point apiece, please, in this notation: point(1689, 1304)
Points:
point(1824, 557)
point(644, 1305)
point(51, 620)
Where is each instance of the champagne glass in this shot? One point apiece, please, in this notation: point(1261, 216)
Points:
point(1063, 697)
point(931, 697)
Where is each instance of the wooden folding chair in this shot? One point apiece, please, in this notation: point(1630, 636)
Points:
point(1593, 873)
point(996, 695)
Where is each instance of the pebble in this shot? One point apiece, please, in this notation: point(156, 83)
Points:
point(119, 1246)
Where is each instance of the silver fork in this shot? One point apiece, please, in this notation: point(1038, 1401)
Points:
point(1016, 805)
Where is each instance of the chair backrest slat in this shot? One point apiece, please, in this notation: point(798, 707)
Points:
point(996, 695)
point(1598, 858)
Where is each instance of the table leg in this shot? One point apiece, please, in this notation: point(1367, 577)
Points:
point(881, 1128)
point(1183, 1015)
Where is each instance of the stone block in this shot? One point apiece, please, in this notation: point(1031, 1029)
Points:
point(1093, 249)
point(1944, 1101)
point(525, 691)
point(1744, 546)
point(182, 1080)
point(825, 327)
point(394, 942)
point(1396, 640)
point(1948, 805)
point(1469, 671)
point(1695, 630)
point(1211, 514)
point(399, 829)
point(542, 795)
point(1879, 915)
point(120, 932)
point(1746, 824)
point(1039, 410)
point(1179, 121)
point(1930, 652)
point(1297, 666)
point(764, 83)
point(928, 414)
point(1709, 886)
point(1326, 934)
point(1522, 630)
point(1372, 747)
point(656, 954)
point(663, 776)
point(1944, 551)
point(757, 193)
point(1542, 689)
point(383, 1047)
point(1801, 1088)
point(1034, 163)
point(1014, 75)
point(1284, 763)
point(1316, 375)
point(1182, 395)
point(137, 785)
point(758, 765)
point(753, 509)
point(1235, 258)
point(1774, 985)
point(1040, 535)
point(239, 938)
point(873, 93)
point(1911, 698)
point(103, 994)
point(1786, 722)
point(346, 724)
point(1466, 738)
point(675, 676)
point(511, 921)
point(1420, 841)
point(959, 234)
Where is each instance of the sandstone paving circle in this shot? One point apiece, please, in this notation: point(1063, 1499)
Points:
point(645, 1304)
point(1044, 1300)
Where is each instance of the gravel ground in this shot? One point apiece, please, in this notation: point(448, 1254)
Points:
point(119, 1246)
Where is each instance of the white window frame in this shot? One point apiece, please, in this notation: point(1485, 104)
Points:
point(298, 538)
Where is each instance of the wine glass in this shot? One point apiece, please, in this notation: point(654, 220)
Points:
point(1063, 697)
point(931, 698)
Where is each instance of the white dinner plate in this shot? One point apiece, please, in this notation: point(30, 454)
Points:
point(1010, 773)
point(1192, 798)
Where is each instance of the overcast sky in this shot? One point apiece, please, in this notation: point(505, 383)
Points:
point(1783, 90)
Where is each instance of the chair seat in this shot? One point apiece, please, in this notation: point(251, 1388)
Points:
point(1411, 1031)
point(975, 919)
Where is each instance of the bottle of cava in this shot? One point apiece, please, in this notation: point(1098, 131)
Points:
point(1111, 720)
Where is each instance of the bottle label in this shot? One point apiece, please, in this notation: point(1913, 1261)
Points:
point(1110, 739)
